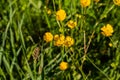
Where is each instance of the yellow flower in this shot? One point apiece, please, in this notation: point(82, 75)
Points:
point(110, 44)
point(107, 30)
point(71, 24)
point(117, 2)
point(49, 11)
point(85, 3)
point(48, 37)
point(59, 40)
point(60, 15)
point(68, 41)
point(63, 65)
point(56, 37)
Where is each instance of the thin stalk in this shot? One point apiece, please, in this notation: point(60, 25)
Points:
point(98, 68)
point(54, 5)
point(83, 74)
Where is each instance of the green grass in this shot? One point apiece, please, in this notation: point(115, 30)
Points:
point(23, 24)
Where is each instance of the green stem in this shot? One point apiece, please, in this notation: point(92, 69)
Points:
point(59, 4)
point(47, 20)
point(106, 11)
point(54, 5)
point(83, 74)
point(81, 22)
point(34, 69)
point(50, 50)
point(62, 53)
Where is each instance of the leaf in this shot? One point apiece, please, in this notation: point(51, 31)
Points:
point(91, 13)
point(2, 73)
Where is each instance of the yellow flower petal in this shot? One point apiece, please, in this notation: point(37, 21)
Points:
point(116, 2)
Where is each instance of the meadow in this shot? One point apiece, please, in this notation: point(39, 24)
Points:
point(59, 39)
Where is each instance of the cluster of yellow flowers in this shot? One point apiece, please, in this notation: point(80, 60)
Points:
point(71, 24)
point(63, 65)
point(107, 30)
point(85, 3)
point(67, 41)
point(117, 2)
point(61, 40)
